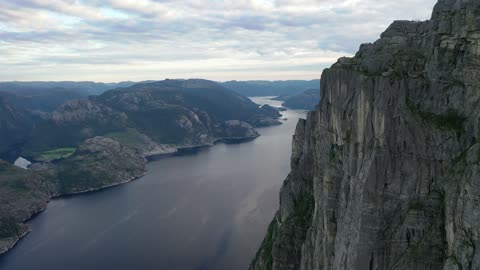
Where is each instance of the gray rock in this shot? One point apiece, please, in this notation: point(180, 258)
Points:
point(237, 129)
point(390, 157)
point(271, 111)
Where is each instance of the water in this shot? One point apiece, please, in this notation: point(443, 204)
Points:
point(204, 210)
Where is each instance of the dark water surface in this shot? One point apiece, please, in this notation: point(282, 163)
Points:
point(205, 210)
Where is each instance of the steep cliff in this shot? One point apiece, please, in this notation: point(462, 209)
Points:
point(385, 172)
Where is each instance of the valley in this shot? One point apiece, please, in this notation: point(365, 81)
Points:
point(215, 213)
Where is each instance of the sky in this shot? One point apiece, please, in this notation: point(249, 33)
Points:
point(120, 40)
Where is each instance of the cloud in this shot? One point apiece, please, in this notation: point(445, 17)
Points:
point(116, 40)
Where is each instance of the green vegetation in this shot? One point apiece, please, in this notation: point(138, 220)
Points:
point(75, 175)
point(55, 154)
point(8, 227)
point(331, 154)
point(129, 137)
point(303, 210)
point(21, 191)
point(13, 178)
point(451, 120)
point(265, 250)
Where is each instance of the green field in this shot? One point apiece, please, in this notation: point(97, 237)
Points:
point(55, 154)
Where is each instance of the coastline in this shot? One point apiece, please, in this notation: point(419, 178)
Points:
point(10, 243)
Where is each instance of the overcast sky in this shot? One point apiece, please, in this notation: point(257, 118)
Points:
point(117, 40)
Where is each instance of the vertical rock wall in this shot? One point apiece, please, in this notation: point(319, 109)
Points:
point(385, 172)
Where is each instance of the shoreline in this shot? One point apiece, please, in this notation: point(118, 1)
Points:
point(9, 245)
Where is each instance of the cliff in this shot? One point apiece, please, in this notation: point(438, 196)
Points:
point(385, 172)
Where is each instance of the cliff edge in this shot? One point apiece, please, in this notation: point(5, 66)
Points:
point(385, 172)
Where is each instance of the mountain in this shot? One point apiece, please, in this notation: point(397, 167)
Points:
point(15, 127)
point(48, 96)
point(153, 117)
point(304, 101)
point(385, 172)
point(44, 100)
point(270, 88)
point(87, 88)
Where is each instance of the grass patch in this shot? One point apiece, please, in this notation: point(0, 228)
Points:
point(55, 154)
point(451, 120)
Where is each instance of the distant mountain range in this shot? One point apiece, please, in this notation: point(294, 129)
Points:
point(271, 88)
point(47, 96)
point(306, 100)
point(170, 112)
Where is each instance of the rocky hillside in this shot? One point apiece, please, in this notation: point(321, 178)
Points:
point(22, 194)
point(163, 115)
point(385, 172)
point(304, 101)
point(98, 162)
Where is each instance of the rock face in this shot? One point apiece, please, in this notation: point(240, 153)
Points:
point(385, 172)
point(235, 129)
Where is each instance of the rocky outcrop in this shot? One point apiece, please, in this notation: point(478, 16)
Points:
point(235, 129)
point(385, 171)
point(85, 110)
point(271, 111)
point(98, 163)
